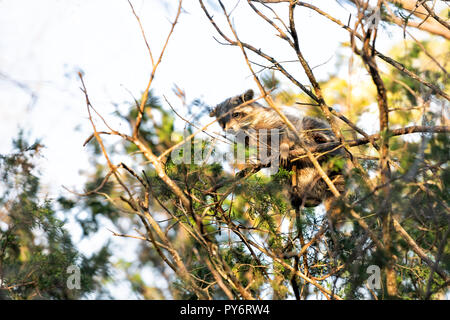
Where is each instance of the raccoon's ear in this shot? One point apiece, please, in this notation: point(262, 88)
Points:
point(248, 95)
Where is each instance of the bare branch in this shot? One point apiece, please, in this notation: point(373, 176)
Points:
point(152, 75)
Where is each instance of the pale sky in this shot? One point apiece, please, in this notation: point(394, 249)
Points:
point(44, 43)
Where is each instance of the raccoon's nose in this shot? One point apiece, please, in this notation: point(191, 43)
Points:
point(229, 129)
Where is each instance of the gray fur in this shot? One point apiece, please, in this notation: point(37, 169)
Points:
point(308, 188)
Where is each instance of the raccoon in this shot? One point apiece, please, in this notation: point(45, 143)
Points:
point(307, 187)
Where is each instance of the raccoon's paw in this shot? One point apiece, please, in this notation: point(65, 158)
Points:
point(284, 154)
point(284, 161)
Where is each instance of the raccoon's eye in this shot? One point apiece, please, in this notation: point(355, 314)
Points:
point(319, 138)
point(235, 114)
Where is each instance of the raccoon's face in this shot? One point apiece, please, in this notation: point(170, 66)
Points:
point(232, 116)
point(241, 118)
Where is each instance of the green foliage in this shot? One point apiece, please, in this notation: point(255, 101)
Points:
point(35, 247)
point(259, 208)
point(246, 229)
